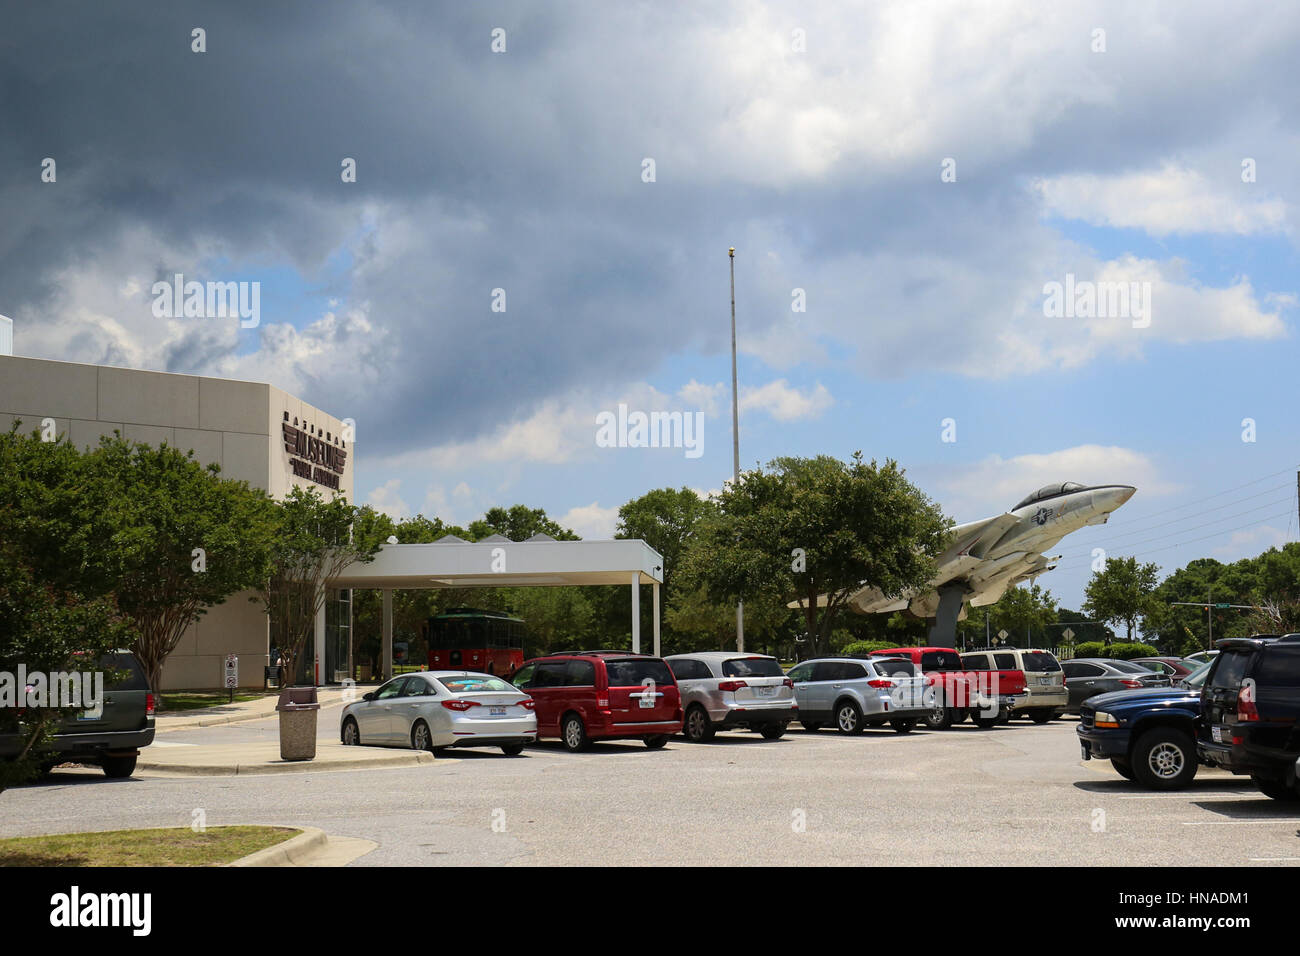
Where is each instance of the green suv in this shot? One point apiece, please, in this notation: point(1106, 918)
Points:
point(113, 739)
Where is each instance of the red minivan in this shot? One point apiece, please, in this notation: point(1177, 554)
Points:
point(602, 695)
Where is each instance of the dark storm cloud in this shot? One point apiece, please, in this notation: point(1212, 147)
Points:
point(519, 171)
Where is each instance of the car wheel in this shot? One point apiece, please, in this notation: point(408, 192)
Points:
point(1275, 789)
point(421, 739)
point(574, 734)
point(657, 741)
point(902, 726)
point(351, 734)
point(511, 750)
point(773, 731)
point(811, 726)
point(1122, 767)
point(118, 767)
point(938, 718)
point(1164, 759)
point(1040, 716)
point(983, 722)
point(848, 717)
point(698, 728)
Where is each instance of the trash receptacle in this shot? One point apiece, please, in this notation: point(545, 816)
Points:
point(298, 707)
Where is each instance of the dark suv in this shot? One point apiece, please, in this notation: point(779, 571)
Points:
point(114, 738)
point(602, 695)
point(1250, 704)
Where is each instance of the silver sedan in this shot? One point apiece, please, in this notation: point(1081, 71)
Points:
point(435, 710)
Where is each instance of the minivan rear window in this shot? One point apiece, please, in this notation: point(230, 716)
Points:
point(634, 673)
point(1039, 662)
point(1231, 669)
point(752, 667)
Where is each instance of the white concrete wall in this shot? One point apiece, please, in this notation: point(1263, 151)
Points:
point(235, 424)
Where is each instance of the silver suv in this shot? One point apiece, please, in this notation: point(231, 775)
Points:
point(724, 690)
point(855, 693)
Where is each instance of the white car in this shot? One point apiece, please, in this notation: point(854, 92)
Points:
point(1200, 657)
point(436, 710)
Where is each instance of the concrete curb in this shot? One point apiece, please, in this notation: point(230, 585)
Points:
point(310, 840)
point(411, 758)
point(184, 724)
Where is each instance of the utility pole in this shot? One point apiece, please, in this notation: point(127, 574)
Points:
point(735, 434)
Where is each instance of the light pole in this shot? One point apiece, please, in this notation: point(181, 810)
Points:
point(735, 434)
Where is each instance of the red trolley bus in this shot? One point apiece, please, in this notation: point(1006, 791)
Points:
point(477, 640)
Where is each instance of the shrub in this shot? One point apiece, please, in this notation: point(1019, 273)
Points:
point(1119, 651)
point(863, 648)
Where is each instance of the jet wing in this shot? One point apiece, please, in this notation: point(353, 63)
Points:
point(974, 538)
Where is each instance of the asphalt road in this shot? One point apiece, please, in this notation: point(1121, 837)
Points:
point(1015, 794)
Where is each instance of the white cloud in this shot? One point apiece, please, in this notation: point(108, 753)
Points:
point(1172, 199)
point(1253, 541)
point(994, 484)
point(590, 521)
point(385, 498)
point(784, 403)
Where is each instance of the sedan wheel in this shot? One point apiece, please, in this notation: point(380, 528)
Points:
point(421, 739)
point(351, 735)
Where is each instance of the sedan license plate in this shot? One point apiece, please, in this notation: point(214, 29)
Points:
point(496, 711)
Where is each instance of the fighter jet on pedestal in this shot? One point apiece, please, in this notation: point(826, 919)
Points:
point(987, 557)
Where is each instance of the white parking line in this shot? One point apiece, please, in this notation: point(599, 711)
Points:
point(1274, 859)
point(1233, 823)
point(1253, 795)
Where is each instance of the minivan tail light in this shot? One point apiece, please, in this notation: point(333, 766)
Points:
point(732, 685)
point(460, 705)
point(148, 705)
point(1246, 710)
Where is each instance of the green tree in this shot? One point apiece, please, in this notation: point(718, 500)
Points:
point(1122, 592)
point(184, 539)
point(817, 526)
point(518, 523)
point(314, 541)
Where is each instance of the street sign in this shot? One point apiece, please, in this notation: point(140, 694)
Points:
point(1222, 605)
point(1002, 636)
point(232, 672)
point(1068, 635)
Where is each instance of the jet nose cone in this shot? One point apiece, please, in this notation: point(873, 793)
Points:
point(1112, 496)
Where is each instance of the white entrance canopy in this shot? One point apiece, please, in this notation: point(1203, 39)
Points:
point(451, 562)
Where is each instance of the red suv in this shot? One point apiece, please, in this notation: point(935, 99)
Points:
point(602, 695)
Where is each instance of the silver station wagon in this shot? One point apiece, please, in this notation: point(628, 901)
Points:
point(434, 710)
point(854, 694)
point(726, 690)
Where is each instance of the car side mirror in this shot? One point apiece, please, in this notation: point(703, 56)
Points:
point(369, 696)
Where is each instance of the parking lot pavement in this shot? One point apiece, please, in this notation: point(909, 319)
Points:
point(1011, 795)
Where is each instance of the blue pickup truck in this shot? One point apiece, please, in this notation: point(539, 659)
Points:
point(1148, 735)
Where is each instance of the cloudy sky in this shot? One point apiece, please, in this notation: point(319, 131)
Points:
point(914, 175)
